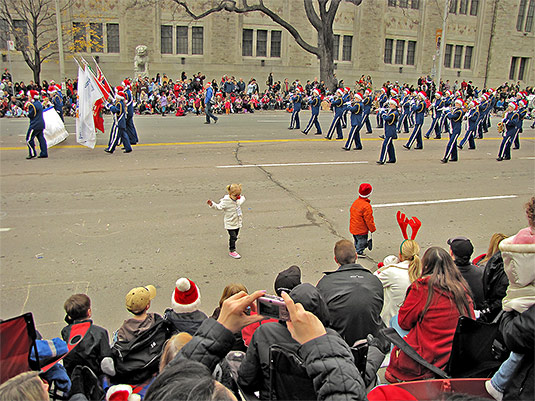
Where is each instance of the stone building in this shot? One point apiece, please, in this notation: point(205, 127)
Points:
point(486, 41)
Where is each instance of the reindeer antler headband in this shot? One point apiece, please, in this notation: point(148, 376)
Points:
point(404, 222)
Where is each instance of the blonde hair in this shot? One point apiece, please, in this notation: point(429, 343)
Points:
point(231, 290)
point(172, 347)
point(410, 250)
point(234, 189)
point(493, 246)
point(26, 386)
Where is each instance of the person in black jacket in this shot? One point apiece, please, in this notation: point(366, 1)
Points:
point(353, 294)
point(185, 316)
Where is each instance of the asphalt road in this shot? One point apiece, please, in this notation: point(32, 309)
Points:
point(86, 221)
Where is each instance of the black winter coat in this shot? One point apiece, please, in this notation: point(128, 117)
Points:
point(518, 330)
point(187, 322)
point(495, 284)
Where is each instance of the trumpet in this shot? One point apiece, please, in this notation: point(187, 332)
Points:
point(375, 104)
point(501, 127)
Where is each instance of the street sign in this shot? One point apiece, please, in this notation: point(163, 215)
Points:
point(10, 45)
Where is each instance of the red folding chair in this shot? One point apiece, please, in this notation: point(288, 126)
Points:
point(17, 338)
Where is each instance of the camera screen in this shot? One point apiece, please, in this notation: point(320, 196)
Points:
point(269, 309)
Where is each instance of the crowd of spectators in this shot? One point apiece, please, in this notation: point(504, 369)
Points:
point(163, 95)
point(185, 354)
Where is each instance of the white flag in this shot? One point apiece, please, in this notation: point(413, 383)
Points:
point(88, 94)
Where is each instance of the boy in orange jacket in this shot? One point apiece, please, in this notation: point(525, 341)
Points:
point(361, 218)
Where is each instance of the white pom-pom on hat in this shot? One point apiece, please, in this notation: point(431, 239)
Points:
point(186, 296)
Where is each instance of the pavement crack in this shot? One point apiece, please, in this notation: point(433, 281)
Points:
point(312, 214)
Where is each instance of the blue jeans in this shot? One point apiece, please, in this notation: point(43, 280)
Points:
point(361, 242)
point(502, 377)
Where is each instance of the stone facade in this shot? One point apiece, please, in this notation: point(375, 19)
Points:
point(491, 36)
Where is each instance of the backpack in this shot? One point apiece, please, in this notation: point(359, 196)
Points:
point(137, 360)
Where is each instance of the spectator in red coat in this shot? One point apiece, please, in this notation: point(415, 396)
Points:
point(430, 313)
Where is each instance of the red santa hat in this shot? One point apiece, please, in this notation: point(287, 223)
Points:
point(51, 89)
point(367, 92)
point(339, 92)
point(458, 94)
point(358, 96)
point(473, 103)
point(365, 190)
point(58, 87)
point(522, 103)
point(52, 82)
point(406, 92)
point(438, 94)
point(347, 89)
point(186, 297)
point(448, 93)
point(515, 106)
point(119, 88)
point(33, 94)
point(121, 392)
point(120, 95)
point(485, 96)
point(459, 102)
point(422, 95)
point(126, 83)
point(384, 90)
point(316, 92)
point(394, 101)
point(394, 92)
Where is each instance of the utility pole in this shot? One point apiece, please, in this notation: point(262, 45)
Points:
point(60, 47)
point(442, 43)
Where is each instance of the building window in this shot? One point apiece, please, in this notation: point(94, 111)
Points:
point(276, 43)
point(21, 34)
point(167, 39)
point(389, 45)
point(529, 17)
point(391, 3)
point(458, 56)
point(400, 51)
point(463, 7)
point(411, 50)
point(247, 43)
point(346, 48)
point(447, 56)
point(182, 40)
point(521, 15)
point(468, 57)
point(514, 62)
point(522, 68)
point(112, 34)
point(404, 3)
point(453, 6)
point(473, 7)
point(96, 37)
point(261, 43)
point(415, 4)
point(78, 31)
point(336, 46)
point(197, 34)
point(4, 33)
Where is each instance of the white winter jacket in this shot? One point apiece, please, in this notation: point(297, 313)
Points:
point(395, 280)
point(232, 209)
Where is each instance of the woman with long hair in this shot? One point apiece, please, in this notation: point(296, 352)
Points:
point(430, 312)
point(397, 276)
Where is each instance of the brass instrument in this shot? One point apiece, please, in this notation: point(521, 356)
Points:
point(501, 127)
point(375, 103)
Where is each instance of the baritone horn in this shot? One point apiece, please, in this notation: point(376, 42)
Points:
point(501, 127)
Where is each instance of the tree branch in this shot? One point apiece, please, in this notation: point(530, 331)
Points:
point(312, 16)
point(230, 6)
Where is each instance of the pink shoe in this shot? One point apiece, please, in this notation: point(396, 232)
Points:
point(235, 255)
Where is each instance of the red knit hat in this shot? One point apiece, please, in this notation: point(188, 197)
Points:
point(359, 96)
point(121, 392)
point(186, 297)
point(394, 101)
point(33, 94)
point(365, 190)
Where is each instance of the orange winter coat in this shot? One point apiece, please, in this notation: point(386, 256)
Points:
point(361, 217)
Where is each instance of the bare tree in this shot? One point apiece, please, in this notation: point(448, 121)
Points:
point(321, 17)
point(33, 25)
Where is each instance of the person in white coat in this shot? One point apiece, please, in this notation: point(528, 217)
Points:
point(396, 275)
point(231, 205)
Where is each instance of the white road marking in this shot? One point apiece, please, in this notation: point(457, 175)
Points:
point(527, 158)
point(445, 201)
point(4, 229)
point(289, 164)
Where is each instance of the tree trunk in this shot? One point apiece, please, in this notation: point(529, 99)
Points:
point(325, 42)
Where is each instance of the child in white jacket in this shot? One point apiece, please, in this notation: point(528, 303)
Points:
point(231, 205)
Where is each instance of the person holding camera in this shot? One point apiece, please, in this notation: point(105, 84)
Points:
point(361, 219)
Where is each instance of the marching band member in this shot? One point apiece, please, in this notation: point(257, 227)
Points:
point(56, 100)
point(366, 109)
point(356, 109)
point(315, 103)
point(456, 117)
point(37, 125)
point(510, 122)
point(118, 129)
point(346, 99)
point(522, 112)
point(444, 124)
point(390, 119)
point(473, 118)
point(383, 99)
point(130, 128)
point(437, 106)
point(296, 108)
point(338, 106)
point(484, 107)
point(406, 109)
point(419, 112)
